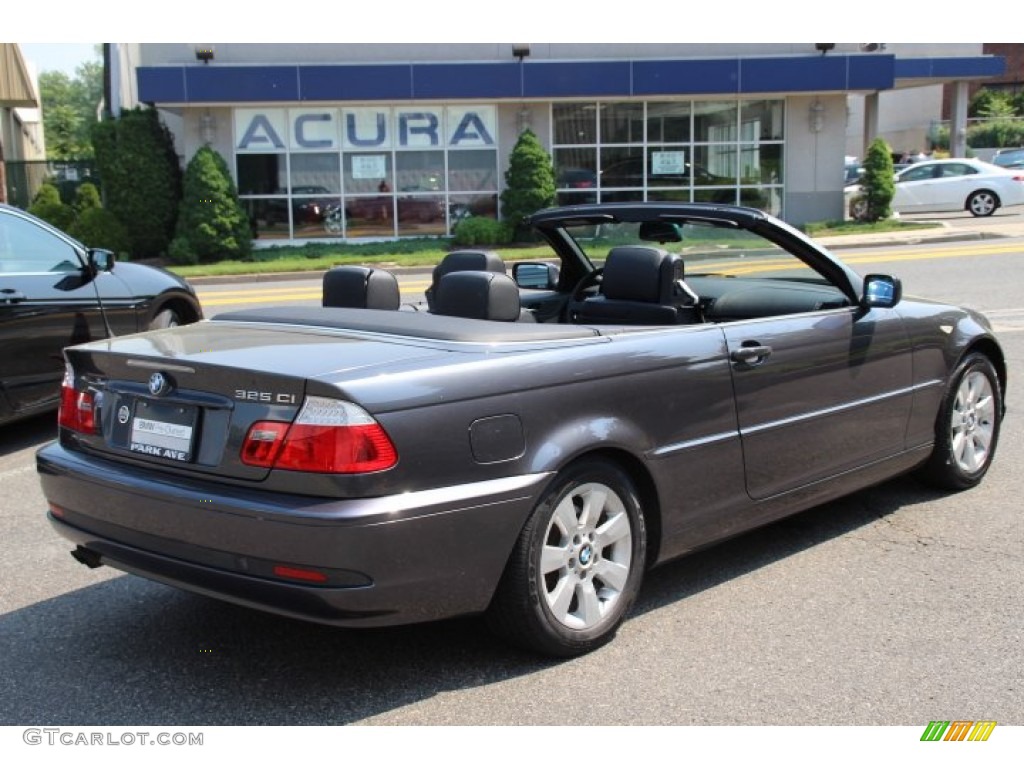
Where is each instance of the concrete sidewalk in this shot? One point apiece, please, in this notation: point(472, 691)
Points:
point(1000, 225)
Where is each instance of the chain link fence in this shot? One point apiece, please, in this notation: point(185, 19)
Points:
point(24, 177)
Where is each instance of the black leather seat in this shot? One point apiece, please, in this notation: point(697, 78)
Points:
point(463, 261)
point(641, 286)
point(479, 295)
point(360, 287)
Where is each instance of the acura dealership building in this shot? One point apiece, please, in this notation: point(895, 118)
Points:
point(383, 140)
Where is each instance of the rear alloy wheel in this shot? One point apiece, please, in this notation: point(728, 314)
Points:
point(968, 426)
point(982, 203)
point(577, 566)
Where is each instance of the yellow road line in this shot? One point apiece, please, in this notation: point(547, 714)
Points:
point(280, 295)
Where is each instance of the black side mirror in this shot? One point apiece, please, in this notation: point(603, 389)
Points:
point(535, 274)
point(883, 291)
point(100, 260)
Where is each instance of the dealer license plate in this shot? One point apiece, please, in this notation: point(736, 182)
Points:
point(163, 430)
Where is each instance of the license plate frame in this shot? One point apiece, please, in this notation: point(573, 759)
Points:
point(163, 430)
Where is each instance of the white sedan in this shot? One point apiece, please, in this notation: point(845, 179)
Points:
point(952, 185)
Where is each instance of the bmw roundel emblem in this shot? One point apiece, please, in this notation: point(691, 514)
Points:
point(159, 384)
point(123, 414)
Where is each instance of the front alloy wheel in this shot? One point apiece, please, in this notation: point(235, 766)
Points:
point(968, 427)
point(577, 566)
point(973, 422)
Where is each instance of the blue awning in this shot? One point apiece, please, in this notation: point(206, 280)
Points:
point(728, 76)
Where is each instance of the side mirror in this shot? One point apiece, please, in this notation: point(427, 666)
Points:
point(883, 291)
point(536, 275)
point(100, 260)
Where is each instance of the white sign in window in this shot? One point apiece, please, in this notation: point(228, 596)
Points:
point(663, 163)
point(369, 166)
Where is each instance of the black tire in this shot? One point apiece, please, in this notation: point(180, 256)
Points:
point(967, 428)
point(575, 570)
point(983, 203)
point(165, 318)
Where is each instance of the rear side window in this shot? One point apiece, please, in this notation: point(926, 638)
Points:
point(957, 169)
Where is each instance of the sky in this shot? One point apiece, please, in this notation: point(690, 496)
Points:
point(64, 57)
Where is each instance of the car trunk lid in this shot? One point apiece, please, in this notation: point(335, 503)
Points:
point(184, 400)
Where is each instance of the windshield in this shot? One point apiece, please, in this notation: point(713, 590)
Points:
point(706, 249)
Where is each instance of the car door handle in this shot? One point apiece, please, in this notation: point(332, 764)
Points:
point(10, 296)
point(750, 354)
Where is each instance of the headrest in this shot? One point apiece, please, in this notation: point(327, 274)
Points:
point(463, 261)
point(641, 273)
point(360, 287)
point(479, 295)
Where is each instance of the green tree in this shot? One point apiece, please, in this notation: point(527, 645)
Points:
point(99, 228)
point(990, 105)
point(875, 201)
point(70, 106)
point(48, 206)
point(212, 224)
point(86, 197)
point(529, 181)
point(141, 177)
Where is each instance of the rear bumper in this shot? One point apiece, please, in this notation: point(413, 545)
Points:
point(398, 559)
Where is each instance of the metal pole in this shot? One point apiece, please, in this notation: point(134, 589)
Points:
point(958, 124)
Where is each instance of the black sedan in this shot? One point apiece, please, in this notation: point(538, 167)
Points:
point(55, 292)
point(527, 447)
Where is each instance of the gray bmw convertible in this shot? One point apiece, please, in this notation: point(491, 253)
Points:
point(529, 441)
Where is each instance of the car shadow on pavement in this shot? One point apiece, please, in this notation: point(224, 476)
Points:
point(127, 651)
point(728, 560)
point(19, 435)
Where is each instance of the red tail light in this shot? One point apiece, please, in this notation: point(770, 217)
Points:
point(77, 408)
point(329, 436)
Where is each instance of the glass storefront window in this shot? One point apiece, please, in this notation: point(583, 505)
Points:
point(419, 171)
point(668, 121)
point(714, 165)
point(623, 196)
point(421, 215)
point(369, 216)
point(668, 167)
point(761, 120)
point(575, 168)
point(761, 164)
point(622, 123)
point(669, 195)
point(464, 206)
point(368, 172)
point(622, 167)
point(473, 170)
point(316, 173)
point(260, 174)
point(705, 151)
point(715, 121)
point(575, 198)
point(720, 196)
point(268, 217)
point(575, 123)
